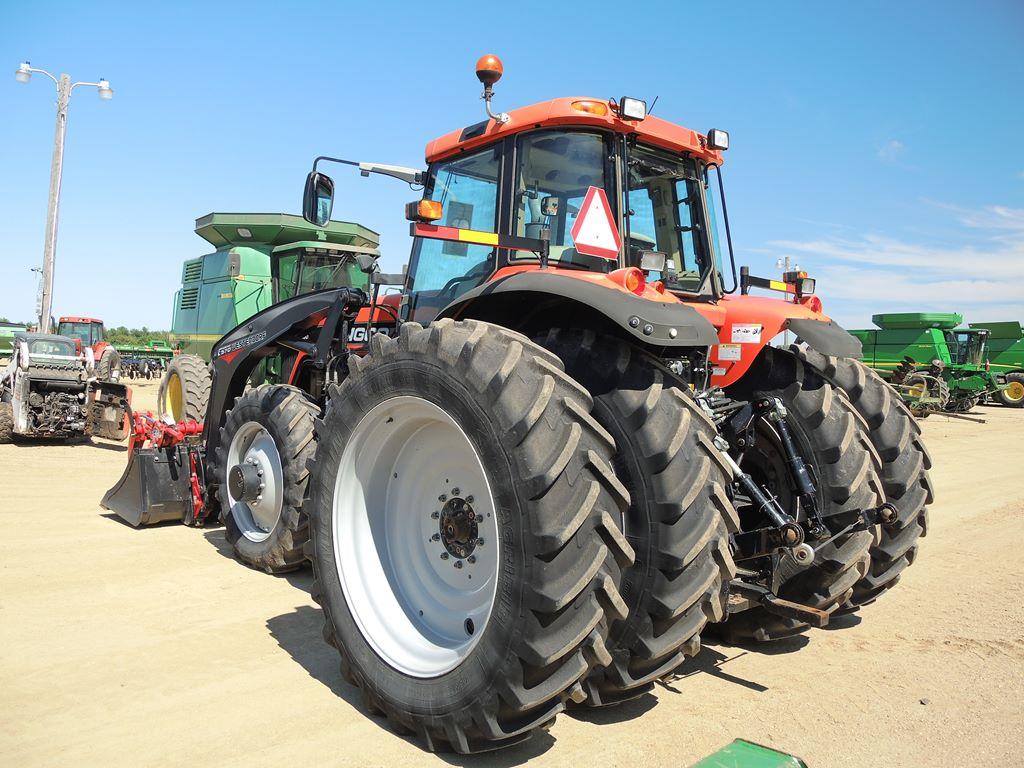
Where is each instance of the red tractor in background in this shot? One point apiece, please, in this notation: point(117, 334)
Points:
point(535, 475)
point(89, 332)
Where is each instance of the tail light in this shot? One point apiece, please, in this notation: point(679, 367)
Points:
point(630, 278)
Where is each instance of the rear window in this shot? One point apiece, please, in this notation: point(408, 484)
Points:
point(51, 348)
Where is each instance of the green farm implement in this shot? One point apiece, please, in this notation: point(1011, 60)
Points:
point(935, 365)
point(260, 260)
point(1005, 356)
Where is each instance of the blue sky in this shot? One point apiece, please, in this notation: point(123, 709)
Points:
point(878, 143)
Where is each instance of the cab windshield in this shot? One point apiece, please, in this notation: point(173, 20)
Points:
point(81, 331)
point(667, 214)
point(315, 269)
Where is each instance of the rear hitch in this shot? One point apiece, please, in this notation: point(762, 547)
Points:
point(750, 595)
point(787, 533)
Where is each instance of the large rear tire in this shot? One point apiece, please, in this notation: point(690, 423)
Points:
point(831, 440)
point(679, 517)
point(439, 438)
point(110, 361)
point(269, 430)
point(905, 462)
point(1013, 395)
point(185, 388)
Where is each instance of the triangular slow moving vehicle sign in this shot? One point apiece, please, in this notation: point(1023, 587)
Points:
point(594, 232)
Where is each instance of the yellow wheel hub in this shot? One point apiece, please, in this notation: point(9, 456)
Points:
point(1014, 392)
point(175, 396)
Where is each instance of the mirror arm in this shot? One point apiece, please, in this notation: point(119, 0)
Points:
point(408, 175)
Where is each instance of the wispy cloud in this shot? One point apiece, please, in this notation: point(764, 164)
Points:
point(875, 272)
point(891, 150)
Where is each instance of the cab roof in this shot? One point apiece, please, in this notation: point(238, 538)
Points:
point(75, 319)
point(560, 112)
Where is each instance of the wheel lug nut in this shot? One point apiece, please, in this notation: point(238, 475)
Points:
point(471, 559)
point(455, 491)
point(469, 499)
point(436, 537)
point(457, 563)
point(442, 497)
point(480, 542)
point(444, 555)
point(435, 515)
point(479, 518)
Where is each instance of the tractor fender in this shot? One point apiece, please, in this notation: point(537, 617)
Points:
point(825, 336)
point(532, 301)
point(746, 324)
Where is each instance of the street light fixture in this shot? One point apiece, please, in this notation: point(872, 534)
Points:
point(64, 88)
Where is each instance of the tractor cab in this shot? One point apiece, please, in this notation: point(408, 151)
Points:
point(86, 331)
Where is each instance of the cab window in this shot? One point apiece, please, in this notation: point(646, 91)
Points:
point(442, 270)
point(554, 170)
point(666, 202)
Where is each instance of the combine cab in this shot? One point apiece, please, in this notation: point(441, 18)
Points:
point(259, 261)
point(567, 448)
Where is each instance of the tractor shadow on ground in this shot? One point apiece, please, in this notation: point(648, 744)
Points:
point(42, 442)
point(627, 710)
point(843, 622)
point(299, 635)
point(214, 535)
point(715, 654)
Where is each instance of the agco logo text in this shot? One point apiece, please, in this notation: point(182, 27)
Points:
point(248, 341)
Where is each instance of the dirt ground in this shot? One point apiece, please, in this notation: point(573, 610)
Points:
point(154, 647)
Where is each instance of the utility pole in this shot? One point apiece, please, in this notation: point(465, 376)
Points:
point(64, 88)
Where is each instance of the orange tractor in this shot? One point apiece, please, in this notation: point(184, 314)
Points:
point(564, 449)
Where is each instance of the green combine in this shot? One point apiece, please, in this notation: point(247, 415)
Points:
point(7, 331)
point(934, 364)
point(1005, 355)
point(259, 260)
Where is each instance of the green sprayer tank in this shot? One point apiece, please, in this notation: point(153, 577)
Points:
point(260, 259)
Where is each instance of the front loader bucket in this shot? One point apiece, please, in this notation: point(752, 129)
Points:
point(154, 488)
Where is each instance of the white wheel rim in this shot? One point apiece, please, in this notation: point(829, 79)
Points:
point(407, 468)
point(254, 445)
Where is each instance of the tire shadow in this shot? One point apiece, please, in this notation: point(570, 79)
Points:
point(299, 634)
point(627, 710)
point(843, 622)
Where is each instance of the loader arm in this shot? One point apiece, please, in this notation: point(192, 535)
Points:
point(312, 324)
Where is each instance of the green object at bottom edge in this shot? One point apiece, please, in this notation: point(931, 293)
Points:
point(747, 754)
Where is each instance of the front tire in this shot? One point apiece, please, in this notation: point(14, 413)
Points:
point(679, 519)
point(522, 443)
point(269, 430)
point(6, 422)
point(185, 388)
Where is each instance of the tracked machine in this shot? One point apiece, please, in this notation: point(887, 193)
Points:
point(564, 449)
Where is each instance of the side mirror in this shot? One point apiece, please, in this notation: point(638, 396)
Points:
point(367, 263)
point(318, 199)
